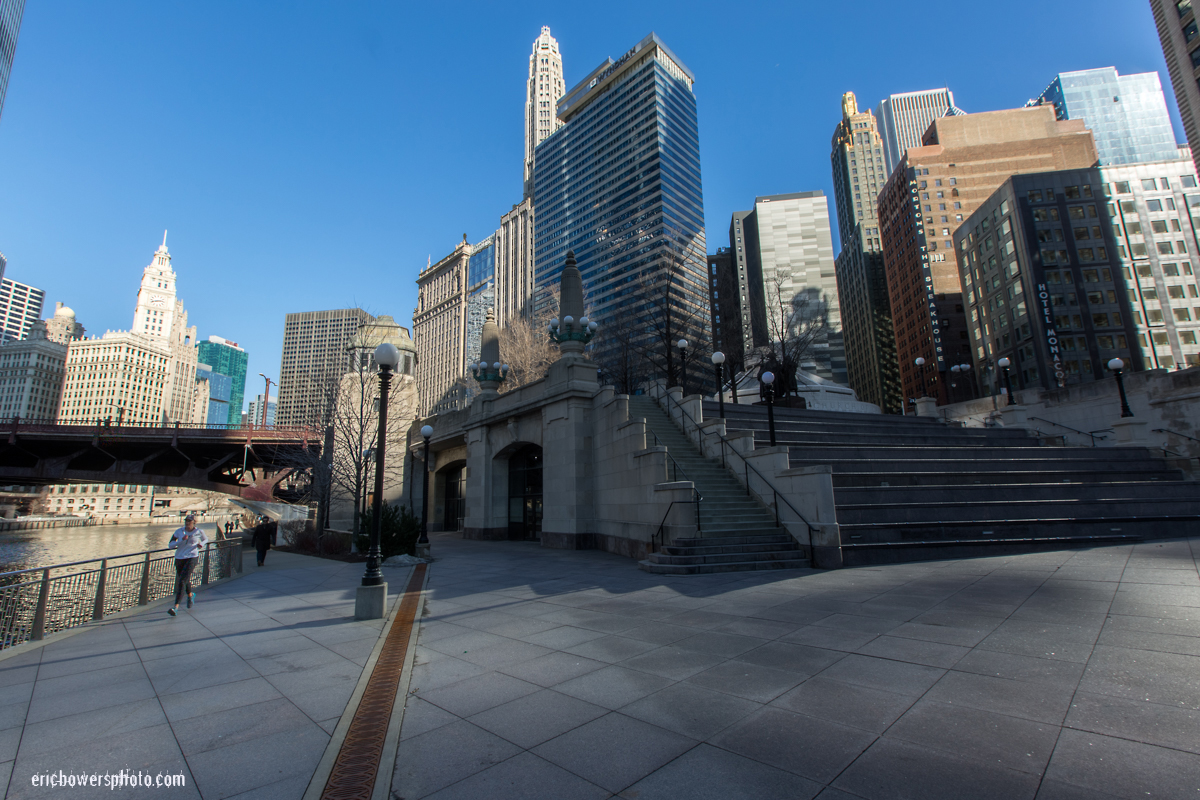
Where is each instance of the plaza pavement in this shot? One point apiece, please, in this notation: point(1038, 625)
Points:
point(240, 693)
point(1060, 675)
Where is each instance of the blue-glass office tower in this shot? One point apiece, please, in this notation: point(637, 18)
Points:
point(219, 390)
point(226, 358)
point(1127, 114)
point(11, 12)
point(481, 293)
point(619, 183)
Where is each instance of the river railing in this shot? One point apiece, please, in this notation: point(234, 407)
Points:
point(44, 600)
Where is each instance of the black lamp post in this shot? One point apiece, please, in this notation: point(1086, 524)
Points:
point(426, 432)
point(920, 362)
point(682, 345)
point(1116, 365)
point(386, 356)
point(718, 358)
point(768, 380)
point(1004, 364)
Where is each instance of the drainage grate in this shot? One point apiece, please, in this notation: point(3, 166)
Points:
point(357, 763)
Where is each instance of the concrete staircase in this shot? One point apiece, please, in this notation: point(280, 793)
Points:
point(909, 488)
point(736, 531)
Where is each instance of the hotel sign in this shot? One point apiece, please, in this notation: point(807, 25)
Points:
point(1060, 375)
point(927, 274)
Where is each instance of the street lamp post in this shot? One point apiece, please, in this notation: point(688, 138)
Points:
point(682, 344)
point(1116, 365)
point(718, 358)
point(386, 356)
point(423, 541)
point(1004, 364)
point(266, 397)
point(768, 379)
point(920, 362)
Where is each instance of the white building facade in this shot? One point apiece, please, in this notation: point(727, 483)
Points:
point(146, 375)
point(904, 118)
point(542, 91)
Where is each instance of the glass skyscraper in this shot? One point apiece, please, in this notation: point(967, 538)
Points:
point(11, 12)
point(619, 183)
point(227, 359)
point(1127, 114)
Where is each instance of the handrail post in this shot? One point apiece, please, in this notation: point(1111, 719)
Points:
point(98, 609)
point(204, 578)
point(144, 592)
point(697, 497)
point(775, 503)
point(39, 615)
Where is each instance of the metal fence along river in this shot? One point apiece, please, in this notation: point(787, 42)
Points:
point(44, 600)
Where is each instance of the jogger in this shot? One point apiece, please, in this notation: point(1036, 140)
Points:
point(187, 542)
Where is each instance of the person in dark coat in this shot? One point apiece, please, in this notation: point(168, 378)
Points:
point(262, 540)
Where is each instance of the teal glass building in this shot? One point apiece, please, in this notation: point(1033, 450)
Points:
point(619, 184)
point(226, 358)
point(1127, 114)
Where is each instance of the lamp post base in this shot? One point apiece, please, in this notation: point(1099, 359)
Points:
point(371, 602)
point(423, 550)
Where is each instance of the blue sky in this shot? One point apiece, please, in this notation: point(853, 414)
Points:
point(312, 155)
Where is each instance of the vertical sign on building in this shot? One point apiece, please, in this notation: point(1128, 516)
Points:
point(926, 272)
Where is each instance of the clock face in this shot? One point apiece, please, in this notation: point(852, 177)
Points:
point(157, 301)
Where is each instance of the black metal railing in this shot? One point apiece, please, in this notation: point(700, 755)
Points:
point(675, 469)
point(660, 536)
point(1176, 433)
point(43, 600)
point(1092, 434)
point(748, 468)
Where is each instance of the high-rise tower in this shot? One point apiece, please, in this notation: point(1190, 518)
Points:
point(542, 92)
point(904, 118)
point(11, 12)
point(619, 183)
point(1179, 32)
point(858, 175)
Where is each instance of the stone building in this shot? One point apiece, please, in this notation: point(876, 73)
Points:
point(31, 375)
point(858, 175)
point(933, 189)
point(440, 331)
point(1179, 33)
point(313, 361)
point(62, 327)
point(543, 89)
point(146, 375)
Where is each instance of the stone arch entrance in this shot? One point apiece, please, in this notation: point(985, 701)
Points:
point(525, 493)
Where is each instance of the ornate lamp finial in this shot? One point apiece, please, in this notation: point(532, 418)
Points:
point(575, 330)
point(489, 371)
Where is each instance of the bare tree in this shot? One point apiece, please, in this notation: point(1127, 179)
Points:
point(797, 327)
point(526, 347)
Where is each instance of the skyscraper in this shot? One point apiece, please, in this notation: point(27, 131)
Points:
point(254, 412)
point(226, 358)
point(1127, 114)
point(315, 357)
point(33, 375)
point(934, 187)
point(439, 331)
point(146, 375)
point(789, 244)
point(858, 175)
point(11, 12)
point(904, 118)
point(20, 308)
point(1180, 36)
point(542, 91)
point(619, 183)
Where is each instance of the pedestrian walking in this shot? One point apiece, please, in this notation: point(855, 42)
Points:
point(187, 542)
point(262, 541)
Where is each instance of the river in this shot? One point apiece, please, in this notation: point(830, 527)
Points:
point(49, 546)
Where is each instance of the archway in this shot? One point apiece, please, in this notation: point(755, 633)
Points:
point(448, 495)
point(525, 493)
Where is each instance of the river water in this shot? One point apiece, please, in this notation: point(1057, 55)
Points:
point(49, 546)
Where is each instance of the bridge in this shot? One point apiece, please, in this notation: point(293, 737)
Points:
point(244, 462)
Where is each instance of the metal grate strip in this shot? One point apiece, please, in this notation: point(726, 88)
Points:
point(357, 763)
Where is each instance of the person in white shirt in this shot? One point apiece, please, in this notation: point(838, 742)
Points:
point(187, 542)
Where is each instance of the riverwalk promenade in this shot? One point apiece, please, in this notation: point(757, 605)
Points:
point(537, 673)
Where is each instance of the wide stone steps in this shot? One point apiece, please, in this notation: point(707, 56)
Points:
point(909, 488)
point(737, 532)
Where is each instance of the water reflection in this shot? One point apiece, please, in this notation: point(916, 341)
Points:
point(48, 546)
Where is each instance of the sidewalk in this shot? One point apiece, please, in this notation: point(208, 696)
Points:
point(552, 674)
point(239, 694)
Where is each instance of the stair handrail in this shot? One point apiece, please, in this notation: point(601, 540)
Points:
point(1177, 433)
point(660, 536)
point(749, 466)
point(1092, 434)
point(678, 469)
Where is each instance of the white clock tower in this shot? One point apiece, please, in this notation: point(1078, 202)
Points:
point(156, 301)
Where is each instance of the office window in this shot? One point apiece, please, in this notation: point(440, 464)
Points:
point(1154, 205)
